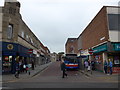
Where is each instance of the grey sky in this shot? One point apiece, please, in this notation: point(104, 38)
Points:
point(53, 21)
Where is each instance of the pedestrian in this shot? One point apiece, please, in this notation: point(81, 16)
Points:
point(24, 67)
point(110, 67)
point(89, 66)
point(105, 67)
point(17, 68)
point(32, 65)
point(29, 68)
point(93, 65)
point(86, 65)
point(63, 68)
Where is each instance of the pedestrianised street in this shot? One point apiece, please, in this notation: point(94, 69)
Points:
point(51, 77)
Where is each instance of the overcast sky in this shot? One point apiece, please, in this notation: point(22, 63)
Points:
point(53, 21)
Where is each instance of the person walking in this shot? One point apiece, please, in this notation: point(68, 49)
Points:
point(17, 69)
point(105, 67)
point(110, 66)
point(32, 65)
point(93, 65)
point(63, 69)
point(86, 65)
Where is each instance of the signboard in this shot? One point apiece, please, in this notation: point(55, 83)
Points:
point(6, 58)
point(30, 51)
point(90, 51)
point(100, 48)
point(10, 46)
point(117, 46)
point(34, 52)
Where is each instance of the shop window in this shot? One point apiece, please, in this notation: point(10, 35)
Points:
point(116, 61)
point(7, 60)
point(10, 31)
point(114, 21)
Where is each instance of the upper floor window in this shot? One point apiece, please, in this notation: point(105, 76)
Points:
point(12, 11)
point(10, 31)
point(22, 34)
point(114, 21)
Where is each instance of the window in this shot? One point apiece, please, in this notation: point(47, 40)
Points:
point(12, 11)
point(27, 37)
point(10, 31)
point(22, 34)
point(114, 21)
point(31, 40)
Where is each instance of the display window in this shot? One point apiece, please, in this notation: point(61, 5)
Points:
point(7, 60)
point(115, 60)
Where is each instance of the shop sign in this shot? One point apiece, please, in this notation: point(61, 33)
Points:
point(100, 48)
point(34, 52)
point(6, 58)
point(117, 46)
point(10, 46)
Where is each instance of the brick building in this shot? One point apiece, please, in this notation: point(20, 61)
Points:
point(103, 36)
point(71, 46)
point(18, 42)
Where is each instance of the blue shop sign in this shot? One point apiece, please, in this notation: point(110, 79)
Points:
point(9, 47)
point(117, 46)
point(100, 48)
point(14, 49)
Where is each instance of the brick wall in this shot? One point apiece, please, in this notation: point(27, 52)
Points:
point(96, 30)
point(71, 45)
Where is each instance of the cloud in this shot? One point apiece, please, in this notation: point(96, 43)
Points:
point(53, 21)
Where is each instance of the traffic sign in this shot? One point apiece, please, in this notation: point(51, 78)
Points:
point(30, 51)
point(90, 51)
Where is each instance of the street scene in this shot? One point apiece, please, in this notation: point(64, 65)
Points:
point(51, 77)
point(59, 44)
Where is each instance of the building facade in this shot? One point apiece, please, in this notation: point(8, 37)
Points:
point(103, 36)
point(18, 42)
point(71, 46)
point(54, 57)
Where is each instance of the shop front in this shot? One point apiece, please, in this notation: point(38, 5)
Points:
point(114, 56)
point(109, 52)
point(98, 56)
point(10, 53)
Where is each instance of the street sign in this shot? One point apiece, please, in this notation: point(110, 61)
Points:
point(30, 51)
point(90, 51)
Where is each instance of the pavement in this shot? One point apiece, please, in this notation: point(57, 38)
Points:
point(96, 73)
point(102, 76)
point(38, 69)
